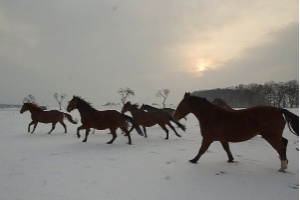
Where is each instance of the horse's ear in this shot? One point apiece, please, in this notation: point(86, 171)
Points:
point(187, 94)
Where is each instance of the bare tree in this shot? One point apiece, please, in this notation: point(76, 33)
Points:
point(125, 93)
point(59, 98)
point(29, 99)
point(164, 93)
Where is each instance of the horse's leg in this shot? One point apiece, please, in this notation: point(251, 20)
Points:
point(35, 124)
point(78, 131)
point(53, 127)
point(64, 125)
point(279, 145)
point(114, 136)
point(225, 146)
point(145, 132)
point(87, 130)
point(29, 126)
point(127, 133)
point(163, 126)
point(285, 143)
point(204, 146)
point(172, 127)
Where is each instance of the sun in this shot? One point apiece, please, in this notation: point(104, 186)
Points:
point(201, 68)
point(202, 65)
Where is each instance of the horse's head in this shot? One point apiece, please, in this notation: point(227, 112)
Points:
point(24, 108)
point(126, 107)
point(72, 104)
point(183, 107)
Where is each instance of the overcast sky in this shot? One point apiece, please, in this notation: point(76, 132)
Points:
point(92, 48)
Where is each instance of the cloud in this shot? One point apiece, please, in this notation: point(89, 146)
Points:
point(93, 48)
point(276, 59)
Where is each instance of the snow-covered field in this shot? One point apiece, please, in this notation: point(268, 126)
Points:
point(59, 166)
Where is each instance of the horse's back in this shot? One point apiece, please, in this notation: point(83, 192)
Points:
point(48, 116)
point(262, 118)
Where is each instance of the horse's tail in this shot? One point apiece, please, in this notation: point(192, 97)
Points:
point(134, 124)
point(177, 122)
point(69, 117)
point(292, 121)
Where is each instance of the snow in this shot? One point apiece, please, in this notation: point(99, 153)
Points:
point(59, 166)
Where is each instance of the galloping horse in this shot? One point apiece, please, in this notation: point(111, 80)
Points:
point(109, 119)
point(148, 119)
point(151, 108)
point(218, 124)
point(39, 115)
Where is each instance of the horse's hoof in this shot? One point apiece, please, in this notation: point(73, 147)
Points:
point(282, 170)
point(83, 140)
point(193, 161)
point(109, 143)
point(129, 143)
point(230, 161)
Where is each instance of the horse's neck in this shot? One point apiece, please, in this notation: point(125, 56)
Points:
point(135, 111)
point(34, 110)
point(85, 110)
point(204, 111)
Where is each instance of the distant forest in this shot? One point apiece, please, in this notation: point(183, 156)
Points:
point(279, 94)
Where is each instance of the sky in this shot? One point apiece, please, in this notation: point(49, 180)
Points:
point(93, 48)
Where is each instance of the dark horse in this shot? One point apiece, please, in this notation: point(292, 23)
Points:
point(51, 116)
point(108, 119)
point(148, 119)
point(151, 108)
point(218, 124)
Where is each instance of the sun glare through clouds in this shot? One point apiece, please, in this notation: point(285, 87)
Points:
point(201, 66)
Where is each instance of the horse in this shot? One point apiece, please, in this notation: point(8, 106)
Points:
point(52, 116)
point(221, 103)
point(108, 119)
point(151, 108)
point(148, 119)
point(219, 124)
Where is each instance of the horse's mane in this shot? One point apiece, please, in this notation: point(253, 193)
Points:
point(34, 106)
point(84, 102)
point(148, 106)
point(199, 98)
point(135, 105)
point(220, 102)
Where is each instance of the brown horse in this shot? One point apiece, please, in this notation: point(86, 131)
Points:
point(151, 108)
point(218, 124)
point(151, 118)
point(109, 119)
point(52, 116)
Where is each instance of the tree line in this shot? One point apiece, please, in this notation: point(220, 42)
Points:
point(278, 94)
